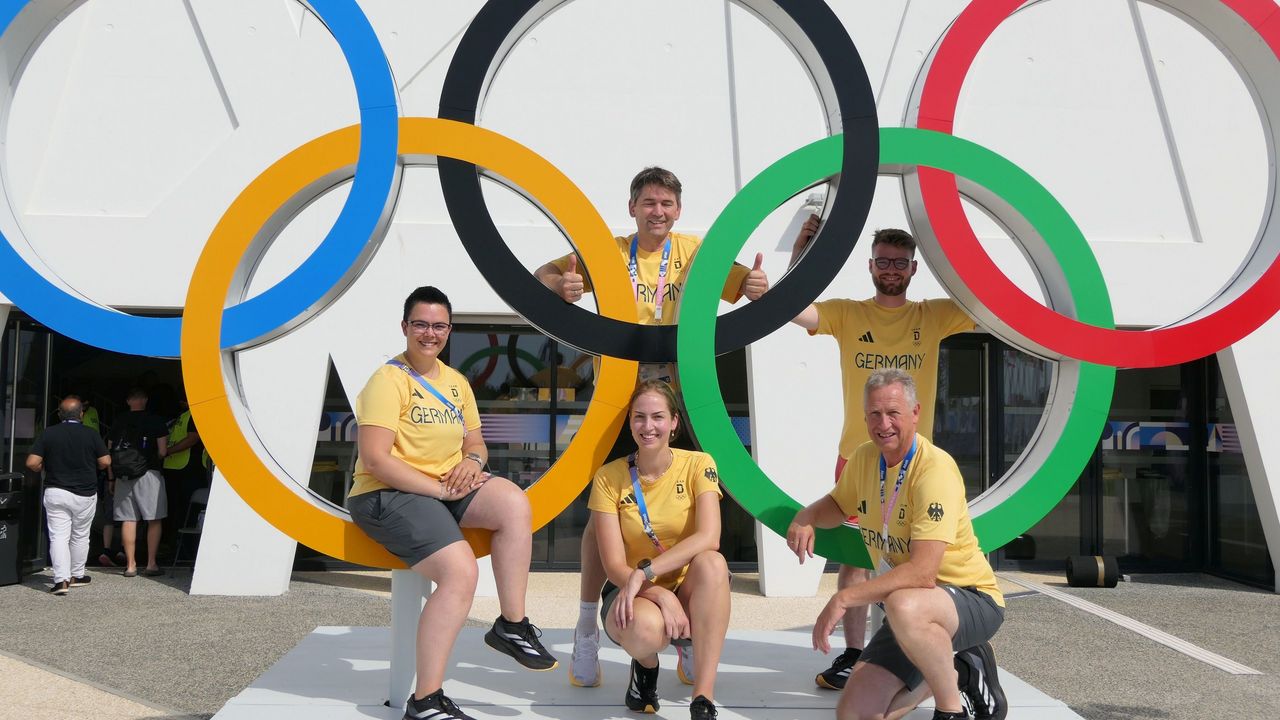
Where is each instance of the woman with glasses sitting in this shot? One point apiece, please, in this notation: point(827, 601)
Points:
point(420, 477)
point(657, 514)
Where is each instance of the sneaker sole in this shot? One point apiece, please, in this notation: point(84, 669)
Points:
point(573, 680)
point(822, 683)
point(648, 709)
point(496, 643)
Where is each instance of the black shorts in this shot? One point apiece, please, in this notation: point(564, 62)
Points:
point(979, 615)
point(411, 526)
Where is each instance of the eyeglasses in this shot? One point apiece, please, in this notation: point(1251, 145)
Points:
point(896, 263)
point(420, 327)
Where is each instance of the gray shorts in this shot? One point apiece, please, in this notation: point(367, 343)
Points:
point(411, 526)
point(979, 615)
point(142, 498)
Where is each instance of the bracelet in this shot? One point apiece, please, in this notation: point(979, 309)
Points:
point(476, 457)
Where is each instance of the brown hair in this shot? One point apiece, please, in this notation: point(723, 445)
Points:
point(895, 238)
point(655, 176)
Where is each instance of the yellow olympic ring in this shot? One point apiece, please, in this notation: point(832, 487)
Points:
point(300, 515)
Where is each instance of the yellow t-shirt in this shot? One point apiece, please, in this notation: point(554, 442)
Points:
point(931, 506)
point(428, 434)
point(669, 500)
point(872, 337)
point(683, 249)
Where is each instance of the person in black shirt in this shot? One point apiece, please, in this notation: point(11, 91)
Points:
point(138, 493)
point(69, 454)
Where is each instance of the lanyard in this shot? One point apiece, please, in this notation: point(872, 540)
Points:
point(885, 513)
point(644, 510)
point(662, 274)
point(439, 395)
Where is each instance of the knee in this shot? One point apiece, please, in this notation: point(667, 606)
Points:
point(513, 501)
point(647, 633)
point(904, 610)
point(710, 566)
point(459, 577)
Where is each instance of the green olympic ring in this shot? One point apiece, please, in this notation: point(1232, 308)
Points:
point(818, 161)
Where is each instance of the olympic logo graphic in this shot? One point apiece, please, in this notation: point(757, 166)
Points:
point(1076, 329)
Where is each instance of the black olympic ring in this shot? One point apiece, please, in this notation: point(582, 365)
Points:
point(819, 40)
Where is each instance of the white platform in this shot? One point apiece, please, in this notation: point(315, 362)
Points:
point(341, 672)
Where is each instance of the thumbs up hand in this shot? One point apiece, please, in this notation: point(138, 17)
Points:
point(756, 283)
point(571, 284)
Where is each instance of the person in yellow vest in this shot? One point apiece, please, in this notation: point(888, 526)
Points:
point(658, 261)
point(184, 467)
point(939, 594)
point(884, 331)
point(658, 524)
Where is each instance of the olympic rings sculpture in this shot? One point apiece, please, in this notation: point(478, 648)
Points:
point(1076, 330)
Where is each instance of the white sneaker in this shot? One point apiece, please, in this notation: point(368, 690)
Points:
point(584, 667)
point(684, 668)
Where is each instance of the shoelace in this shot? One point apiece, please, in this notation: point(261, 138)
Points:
point(528, 630)
point(586, 646)
point(450, 707)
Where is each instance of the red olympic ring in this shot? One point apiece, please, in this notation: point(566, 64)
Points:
point(1188, 339)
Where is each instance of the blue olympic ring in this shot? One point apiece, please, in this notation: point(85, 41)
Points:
point(369, 200)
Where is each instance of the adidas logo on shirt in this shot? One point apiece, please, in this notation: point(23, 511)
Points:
point(866, 337)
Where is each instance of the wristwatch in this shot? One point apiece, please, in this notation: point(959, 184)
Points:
point(646, 566)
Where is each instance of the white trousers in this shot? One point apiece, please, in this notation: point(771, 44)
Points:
point(70, 516)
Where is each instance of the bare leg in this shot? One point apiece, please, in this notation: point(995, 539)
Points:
point(924, 621)
point(592, 576)
point(705, 596)
point(869, 694)
point(855, 618)
point(129, 536)
point(503, 507)
point(453, 570)
point(645, 635)
point(154, 529)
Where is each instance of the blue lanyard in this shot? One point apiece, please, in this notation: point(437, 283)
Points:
point(885, 513)
point(439, 395)
point(644, 510)
point(633, 268)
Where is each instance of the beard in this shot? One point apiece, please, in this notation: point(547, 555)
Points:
point(891, 288)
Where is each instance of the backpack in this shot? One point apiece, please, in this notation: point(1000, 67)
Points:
point(128, 461)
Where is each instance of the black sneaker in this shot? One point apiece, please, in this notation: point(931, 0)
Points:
point(435, 706)
point(702, 709)
point(61, 588)
point(834, 677)
point(979, 682)
point(82, 580)
point(944, 715)
point(642, 690)
point(520, 641)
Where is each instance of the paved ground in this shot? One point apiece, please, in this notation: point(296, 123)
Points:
point(142, 648)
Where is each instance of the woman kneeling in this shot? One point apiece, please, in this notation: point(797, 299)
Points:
point(657, 514)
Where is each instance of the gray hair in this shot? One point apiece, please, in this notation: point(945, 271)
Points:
point(887, 377)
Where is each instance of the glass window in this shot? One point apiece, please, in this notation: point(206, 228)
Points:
point(1237, 546)
point(1146, 468)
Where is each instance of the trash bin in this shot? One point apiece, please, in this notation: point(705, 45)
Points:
point(10, 520)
